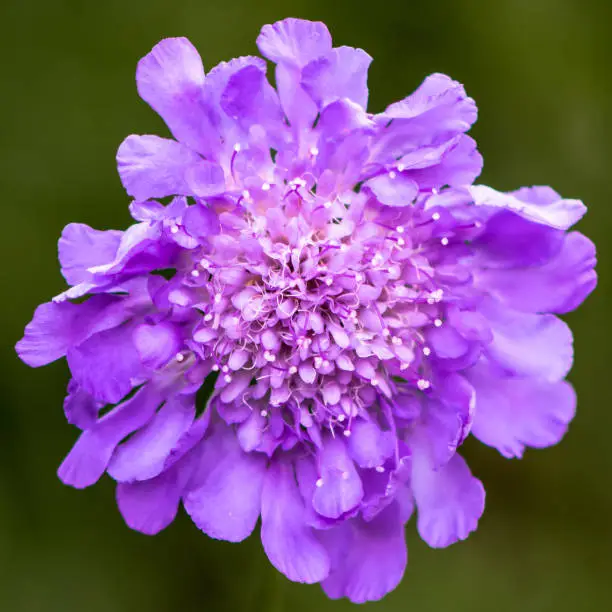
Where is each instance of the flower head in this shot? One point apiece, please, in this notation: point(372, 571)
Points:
point(357, 305)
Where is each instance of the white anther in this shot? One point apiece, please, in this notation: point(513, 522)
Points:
point(401, 167)
point(341, 418)
point(426, 351)
point(377, 259)
point(174, 229)
point(225, 368)
point(401, 241)
point(318, 362)
point(386, 332)
point(218, 297)
point(314, 151)
point(268, 356)
point(195, 273)
point(399, 229)
point(180, 357)
point(343, 248)
point(423, 384)
point(265, 187)
point(329, 281)
point(237, 147)
point(205, 263)
point(319, 483)
point(438, 322)
point(327, 204)
point(394, 270)
point(374, 382)
point(396, 340)
point(345, 475)
point(293, 370)
point(227, 378)
point(392, 174)
point(215, 368)
point(444, 241)
point(347, 433)
point(246, 194)
point(380, 469)
point(435, 216)
point(264, 413)
point(208, 317)
point(359, 277)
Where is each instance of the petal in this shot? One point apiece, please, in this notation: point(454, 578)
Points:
point(516, 412)
point(449, 500)
point(200, 221)
point(154, 167)
point(170, 79)
point(558, 286)
point(224, 498)
point(144, 455)
point(342, 73)
point(92, 452)
point(81, 247)
point(55, 328)
point(156, 344)
point(368, 446)
point(294, 41)
point(80, 408)
point(560, 213)
point(107, 365)
point(339, 489)
point(529, 344)
point(369, 557)
point(289, 543)
point(151, 505)
point(393, 189)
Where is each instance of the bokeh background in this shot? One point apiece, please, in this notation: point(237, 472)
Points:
point(540, 72)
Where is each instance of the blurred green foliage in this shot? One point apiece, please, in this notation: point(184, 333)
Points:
point(539, 72)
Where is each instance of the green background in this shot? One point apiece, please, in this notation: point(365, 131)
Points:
point(540, 73)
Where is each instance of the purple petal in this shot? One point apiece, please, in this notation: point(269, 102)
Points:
point(200, 221)
point(92, 452)
point(339, 489)
point(156, 344)
point(529, 344)
point(342, 73)
point(224, 498)
point(171, 79)
point(517, 412)
point(294, 41)
point(81, 247)
point(558, 286)
point(107, 365)
point(144, 455)
point(289, 543)
point(151, 505)
point(449, 500)
point(560, 213)
point(80, 408)
point(368, 558)
point(154, 167)
point(393, 189)
point(368, 446)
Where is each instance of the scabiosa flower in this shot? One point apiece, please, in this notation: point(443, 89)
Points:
point(357, 305)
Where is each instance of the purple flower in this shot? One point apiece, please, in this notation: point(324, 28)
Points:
point(358, 306)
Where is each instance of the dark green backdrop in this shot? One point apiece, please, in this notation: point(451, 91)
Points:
point(540, 73)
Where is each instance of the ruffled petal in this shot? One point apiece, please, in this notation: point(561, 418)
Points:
point(369, 558)
point(171, 78)
point(517, 412)
point(393, 189)
point(290, 544)
point(558, 286)
point(87, 460)
point(154, 167)
point(294, 41)
point(81, 408)
point(81, 247)
point(559, 213)
point(368, 445)
point(144, 455)
point(342, 73)
point(529, 344)
point(449, 500)
point(107, 365)
point(224, 498)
